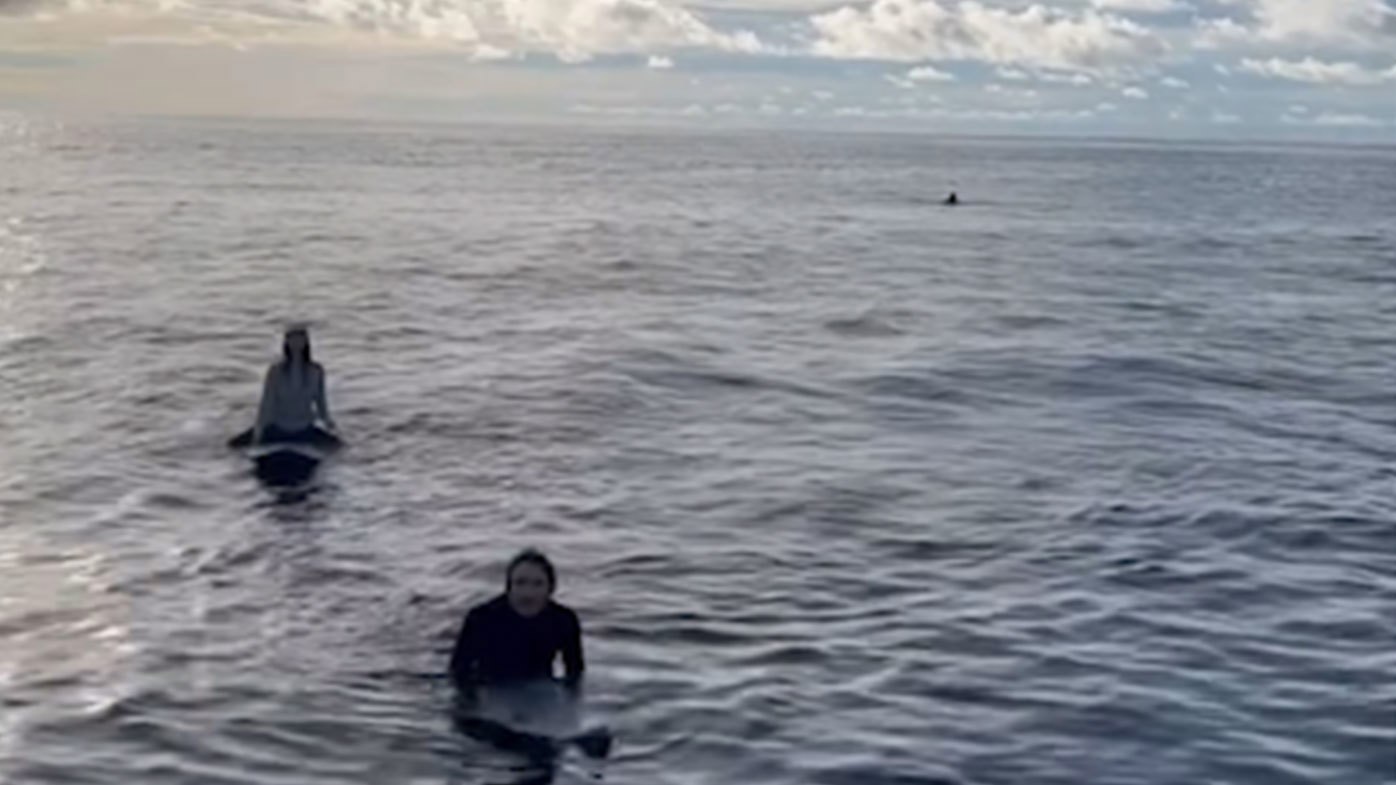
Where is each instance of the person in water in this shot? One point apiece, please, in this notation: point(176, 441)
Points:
point(953, 198)
point(519, 634)
point(293, 395)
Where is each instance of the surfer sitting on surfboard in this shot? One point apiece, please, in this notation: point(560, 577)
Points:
point(518, 635)
point(293, 398)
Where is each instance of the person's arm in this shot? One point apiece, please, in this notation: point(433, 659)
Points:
point(572, 659)
point(266, 410)
point(465, 654)
point(321, 405)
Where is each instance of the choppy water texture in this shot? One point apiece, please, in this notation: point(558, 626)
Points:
point(1089, 480)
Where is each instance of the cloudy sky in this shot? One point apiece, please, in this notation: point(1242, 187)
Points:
point(1229, 68)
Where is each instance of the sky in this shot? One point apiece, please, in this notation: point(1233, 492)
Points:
point(1323, 69)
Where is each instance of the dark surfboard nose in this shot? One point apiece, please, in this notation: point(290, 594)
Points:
point(286, 467)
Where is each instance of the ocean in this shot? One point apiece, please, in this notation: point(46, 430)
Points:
point(1088, 480)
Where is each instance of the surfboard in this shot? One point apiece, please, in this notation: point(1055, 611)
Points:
point(288, 462)
point(285, 464)
point(542, 713)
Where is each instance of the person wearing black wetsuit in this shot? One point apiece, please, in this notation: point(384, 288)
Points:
point(519, 634)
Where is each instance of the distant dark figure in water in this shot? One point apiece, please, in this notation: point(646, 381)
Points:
point(293, 399)
point(952, 199)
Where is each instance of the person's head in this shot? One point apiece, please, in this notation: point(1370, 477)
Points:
point(530, 582)
point(296, 345)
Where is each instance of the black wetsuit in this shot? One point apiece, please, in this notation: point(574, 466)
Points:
point(496, 644)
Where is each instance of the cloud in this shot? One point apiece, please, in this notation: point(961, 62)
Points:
point(911, 30)
point(1225, 118)
point(1313, 71)
point(1174, 83)
point(659, 62)
point(1140, 6)
point(928, 73)
point(1011, 74)
point(573, 30)
point(1137, 93)
point(1349, 23)
point(1300, 115)
point(1013, 93)
point(1340, 120)
point(1017, 115)
point(1075, 80)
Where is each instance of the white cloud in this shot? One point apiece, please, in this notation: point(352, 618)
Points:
point(1359, 23)
point(1340, 120)
point(1011, 74)
point(1075, 80)
point(1138, 94)
point(1013, 93)
point(1106, 107)
point(573, 30)
point(659, 62)
point(911, 30)
point(1175, 83)
point(823, 96)
point(928, 73)
point(1225, 118)
point(1141, 6)
point(1300, 115)
point(1313, 71)
point(905, 84)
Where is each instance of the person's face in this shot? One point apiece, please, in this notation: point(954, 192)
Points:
point(297, 342)
point(528, 589)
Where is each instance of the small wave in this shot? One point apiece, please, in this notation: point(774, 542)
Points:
point(1202, 246)
point(1029, 321)
point(692, 379)
point(928, 388)
point(866, 326)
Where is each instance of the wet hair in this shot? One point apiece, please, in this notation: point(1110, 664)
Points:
point(286, 345)
point(536, 558)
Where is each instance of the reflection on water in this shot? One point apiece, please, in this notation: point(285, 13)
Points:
point(67, 648)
